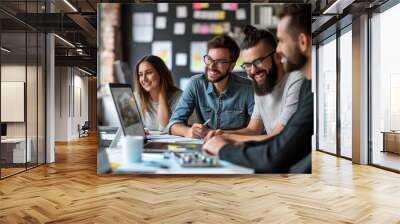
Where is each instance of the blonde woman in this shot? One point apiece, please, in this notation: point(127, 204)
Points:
point(155, 92)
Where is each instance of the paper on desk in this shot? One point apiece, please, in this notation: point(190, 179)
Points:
point(178, 140)
point(155, 132)
point(108, 136)
point(174, 139)
point(150, 163)
point(160, 136)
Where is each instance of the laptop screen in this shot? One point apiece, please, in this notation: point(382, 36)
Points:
point(127, 110)
point(3, 129)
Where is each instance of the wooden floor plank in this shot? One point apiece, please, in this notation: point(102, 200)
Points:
point(70, 191)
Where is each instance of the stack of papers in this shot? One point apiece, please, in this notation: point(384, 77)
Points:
point(174, 139)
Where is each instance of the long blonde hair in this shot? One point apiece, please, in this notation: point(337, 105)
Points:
point(166, 80)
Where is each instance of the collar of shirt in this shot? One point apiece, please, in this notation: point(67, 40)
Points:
point(229, 90)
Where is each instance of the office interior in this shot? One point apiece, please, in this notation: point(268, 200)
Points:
point(46, 81)
point(49, 66)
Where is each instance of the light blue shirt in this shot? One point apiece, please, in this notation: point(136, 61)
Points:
point(232, 109)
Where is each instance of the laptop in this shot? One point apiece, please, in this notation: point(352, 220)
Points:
point(131, 120)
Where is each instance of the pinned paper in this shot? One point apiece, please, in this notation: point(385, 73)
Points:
point(209, 15)
point(203, 29)
point(161, 22)
point(142, 27)
point(181, 12)
point(230, 6)
point(143, 18)
point(163, 49)
point(142, 34)
point(181, 59)
point(241, 14)
point(211, 28)
point(162, 7)
point(179, 28)
point(200, 6)
point(197, 51)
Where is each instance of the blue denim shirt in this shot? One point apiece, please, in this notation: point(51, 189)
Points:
point(232, 109)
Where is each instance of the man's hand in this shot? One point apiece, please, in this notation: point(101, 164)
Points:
point(197, 131)
point(213, 145)
point(213, 133)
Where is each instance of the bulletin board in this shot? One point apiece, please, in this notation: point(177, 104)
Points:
point(176, 37)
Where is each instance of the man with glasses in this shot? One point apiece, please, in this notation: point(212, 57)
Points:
point(290, 150)
point(276, 92)
point(221, 99)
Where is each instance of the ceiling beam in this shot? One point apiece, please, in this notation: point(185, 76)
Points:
point(83, 61)
point(86, 27)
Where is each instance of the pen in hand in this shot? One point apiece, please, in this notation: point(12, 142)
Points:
point(204, 124)
point(207, 121)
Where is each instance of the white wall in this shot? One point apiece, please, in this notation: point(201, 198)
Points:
point(16, 73)
point(71, 87)
point(61, 103)
point(33, 126)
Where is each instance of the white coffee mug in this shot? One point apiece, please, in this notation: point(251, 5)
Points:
point(132, 148)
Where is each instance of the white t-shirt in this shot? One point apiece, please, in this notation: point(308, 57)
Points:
point(150, 118)
point(281, 103)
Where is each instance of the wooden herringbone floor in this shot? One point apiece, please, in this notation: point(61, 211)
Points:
point(70, 191)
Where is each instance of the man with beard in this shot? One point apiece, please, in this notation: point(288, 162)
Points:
point(276, 93)
point(220, 99)
point(289, 151)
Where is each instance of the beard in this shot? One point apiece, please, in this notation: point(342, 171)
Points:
point(220, 78)
point(296, 62)
point(269, 82)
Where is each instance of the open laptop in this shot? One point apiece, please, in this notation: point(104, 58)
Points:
point(131, 120)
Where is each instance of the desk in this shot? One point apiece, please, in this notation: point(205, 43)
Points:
point(391, 141)
point(115, 157)
point(13, 150)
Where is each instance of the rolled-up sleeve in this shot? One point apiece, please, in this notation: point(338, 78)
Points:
point(185, 106)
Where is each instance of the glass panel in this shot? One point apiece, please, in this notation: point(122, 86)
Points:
point(13, 85)
point(346, 94)
point(385, 84)
point(23, 79)
point(314, 89)
point(327, 97)
point(31, 98)
point(41, 99)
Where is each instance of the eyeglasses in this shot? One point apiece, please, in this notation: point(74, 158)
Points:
point(257, 63)
point(208, 61)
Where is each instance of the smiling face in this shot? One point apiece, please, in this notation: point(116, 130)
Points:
point(264, 75)
point(288, 47)
point(216, 72)
point(148, 76)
